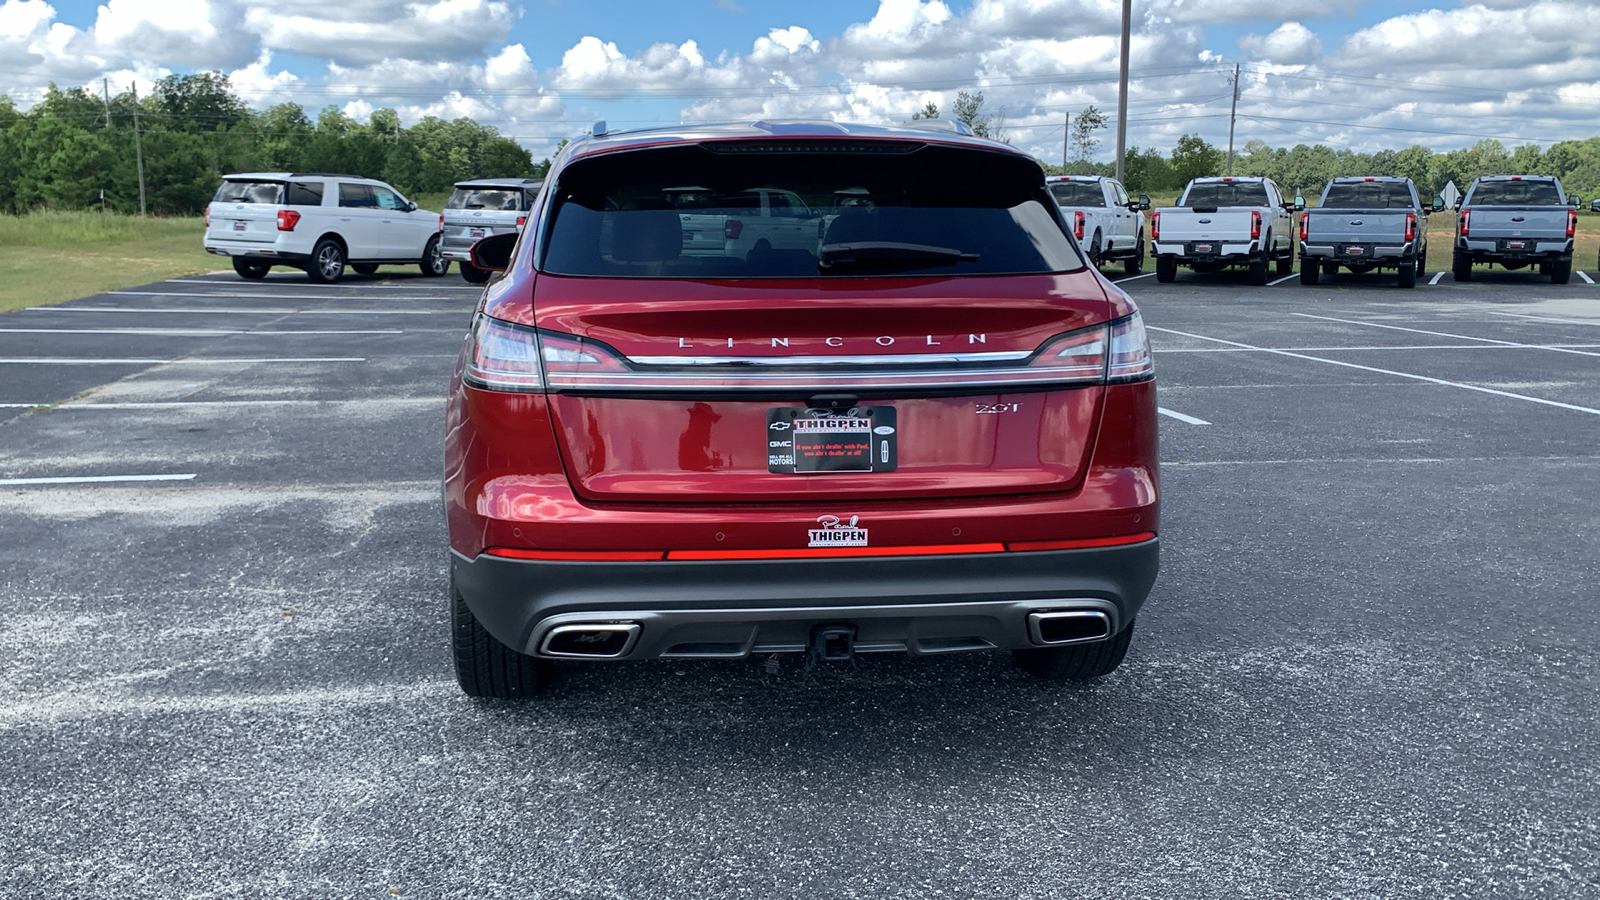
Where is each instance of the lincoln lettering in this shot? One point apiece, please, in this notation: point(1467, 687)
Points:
point(887, 340)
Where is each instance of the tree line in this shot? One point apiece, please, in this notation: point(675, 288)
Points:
point(75, 144)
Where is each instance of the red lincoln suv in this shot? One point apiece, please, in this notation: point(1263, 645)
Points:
point(906, 418)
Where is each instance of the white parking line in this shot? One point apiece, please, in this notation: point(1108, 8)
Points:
point(225, 404)
point(259, 285)
point(1413, 376)
point(180, 332)
point(258, 311)
point(1161, 351)
point(1547, 318)
point(212, 361)
point(1133, 278)
point(1585, 276)
point(1463, 337)
point(96, 479)
point(1436, 276)
point(248, 296)
point(23, 405)
point(1181, 417)
point(1281, 280)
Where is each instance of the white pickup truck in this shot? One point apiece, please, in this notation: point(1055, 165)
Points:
point(1107, 224)
point(1226, 221)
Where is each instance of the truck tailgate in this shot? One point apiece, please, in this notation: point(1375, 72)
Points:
point(1519, 221)
point(1355, 226)
point(1178, 224)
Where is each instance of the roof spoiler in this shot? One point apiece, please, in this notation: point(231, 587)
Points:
point(948, 126)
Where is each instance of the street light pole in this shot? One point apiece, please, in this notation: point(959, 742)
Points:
point(1122, 89)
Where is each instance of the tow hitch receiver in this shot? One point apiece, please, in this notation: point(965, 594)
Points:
point(832, 643)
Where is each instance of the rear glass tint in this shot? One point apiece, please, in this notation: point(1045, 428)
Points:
point(1078, 193)
point(1369, 195)
point(1227, 193)
point(692, 212)
point(249, 192)
point(508, 199)
point(1516, 193)
point(305, 193)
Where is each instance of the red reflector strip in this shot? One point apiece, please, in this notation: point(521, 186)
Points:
point(810, 552)
point(1082, 543)
point(578, 555)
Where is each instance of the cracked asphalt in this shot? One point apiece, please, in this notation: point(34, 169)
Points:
point(1366, 671)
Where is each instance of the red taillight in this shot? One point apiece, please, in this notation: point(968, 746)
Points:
point(1411, 226)
point(1155, 226)
point(1572, 222)
point(1255, 225)
point(503, 357)
point(441, 223)
point(287, 219)
point(1466, 218)
point(1081, 543)
point(1305, 225)
point(1121, 540)
point(732, 228)
point(1077, 224)
point(521, 221)
point(208, 215)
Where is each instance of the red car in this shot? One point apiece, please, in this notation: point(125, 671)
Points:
point(919, 425)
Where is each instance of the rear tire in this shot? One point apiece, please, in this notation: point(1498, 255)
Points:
point(484, 666)
point(1258, 270)
point(364, 268)
point(473, 274)
point(1461, 266)
point(432, 264)
point(1166, 269)
point(1134, 265)
point(1408, 274)
point(1095, 252)
point(1561, 272)
point(1078, 662)
point(1310, 272)
point(327, 262)
point(251, 269)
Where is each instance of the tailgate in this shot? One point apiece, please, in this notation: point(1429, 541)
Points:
point(846, 354)
point(1183, 225)
point(250, 222)
point(1549, 222)
point(1355, 226)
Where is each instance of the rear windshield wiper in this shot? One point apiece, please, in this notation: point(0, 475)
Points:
point(879, 253)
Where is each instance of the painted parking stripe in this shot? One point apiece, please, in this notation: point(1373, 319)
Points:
point(1436, 276)
point(207, 361)
point(95, 479)
point(1180, 416)
point(1133, 278)
point(258, 311)
point(259, 285)
point(234, 295)
point(1160, 351)
point(1410, 375)
point(181, 332)
point(1281, 280)
point(1547, 318)
point(1585, 276)
point(1446, 334)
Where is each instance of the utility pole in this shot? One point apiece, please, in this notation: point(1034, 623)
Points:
point(1066, 139)
point(138, 148)
point(1122, 89)
point(105, 84)
point(1233, 111)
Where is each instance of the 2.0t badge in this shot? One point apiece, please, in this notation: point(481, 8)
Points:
point(837, 533)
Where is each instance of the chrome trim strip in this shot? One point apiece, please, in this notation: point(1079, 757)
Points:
point(883, 360)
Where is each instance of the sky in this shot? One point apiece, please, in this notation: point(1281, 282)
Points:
point(1346, 73)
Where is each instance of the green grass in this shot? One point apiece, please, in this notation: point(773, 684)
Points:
point(47, 257)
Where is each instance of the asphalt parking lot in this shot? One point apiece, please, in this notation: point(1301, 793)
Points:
point(1367, 669)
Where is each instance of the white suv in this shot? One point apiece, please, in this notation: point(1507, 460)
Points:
point(319, 223)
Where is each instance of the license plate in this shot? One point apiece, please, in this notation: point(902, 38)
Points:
point(1202, 248)
point(1355, 251)
point(1516, 245)
point(477, 232)
point(240, 226)
point(806, 441)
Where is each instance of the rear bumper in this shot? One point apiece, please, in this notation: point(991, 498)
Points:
point(733, 608)
point(281, 252)
point(1227, 252)
point(1491, 249)
point(1383, 254)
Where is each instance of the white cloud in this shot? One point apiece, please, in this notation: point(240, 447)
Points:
point(1290, 44)
point(373, 30)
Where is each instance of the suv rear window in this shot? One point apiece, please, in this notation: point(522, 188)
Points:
point(1227, 193)
point(509, 199)
point(1516, 193)
point(250, 192)
point(1078, 193)
point(694, 212)
point(1368, 195)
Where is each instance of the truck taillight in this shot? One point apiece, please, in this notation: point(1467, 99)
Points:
point(1572, 222)
point(1255, 225)
point(732, 228)
point(1155, 226)
point(521, 221)
point(208, 215)
point(1077, 224)
point(441, 223)
point(287, 219)
point(1411, 226)
point(1466, 219)
point(1305, 225)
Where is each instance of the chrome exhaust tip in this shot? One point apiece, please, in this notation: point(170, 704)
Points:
point(1069, 626)
point(590, 640)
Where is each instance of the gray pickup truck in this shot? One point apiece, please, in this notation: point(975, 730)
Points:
point(1362, 224)
point(1516, 221)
